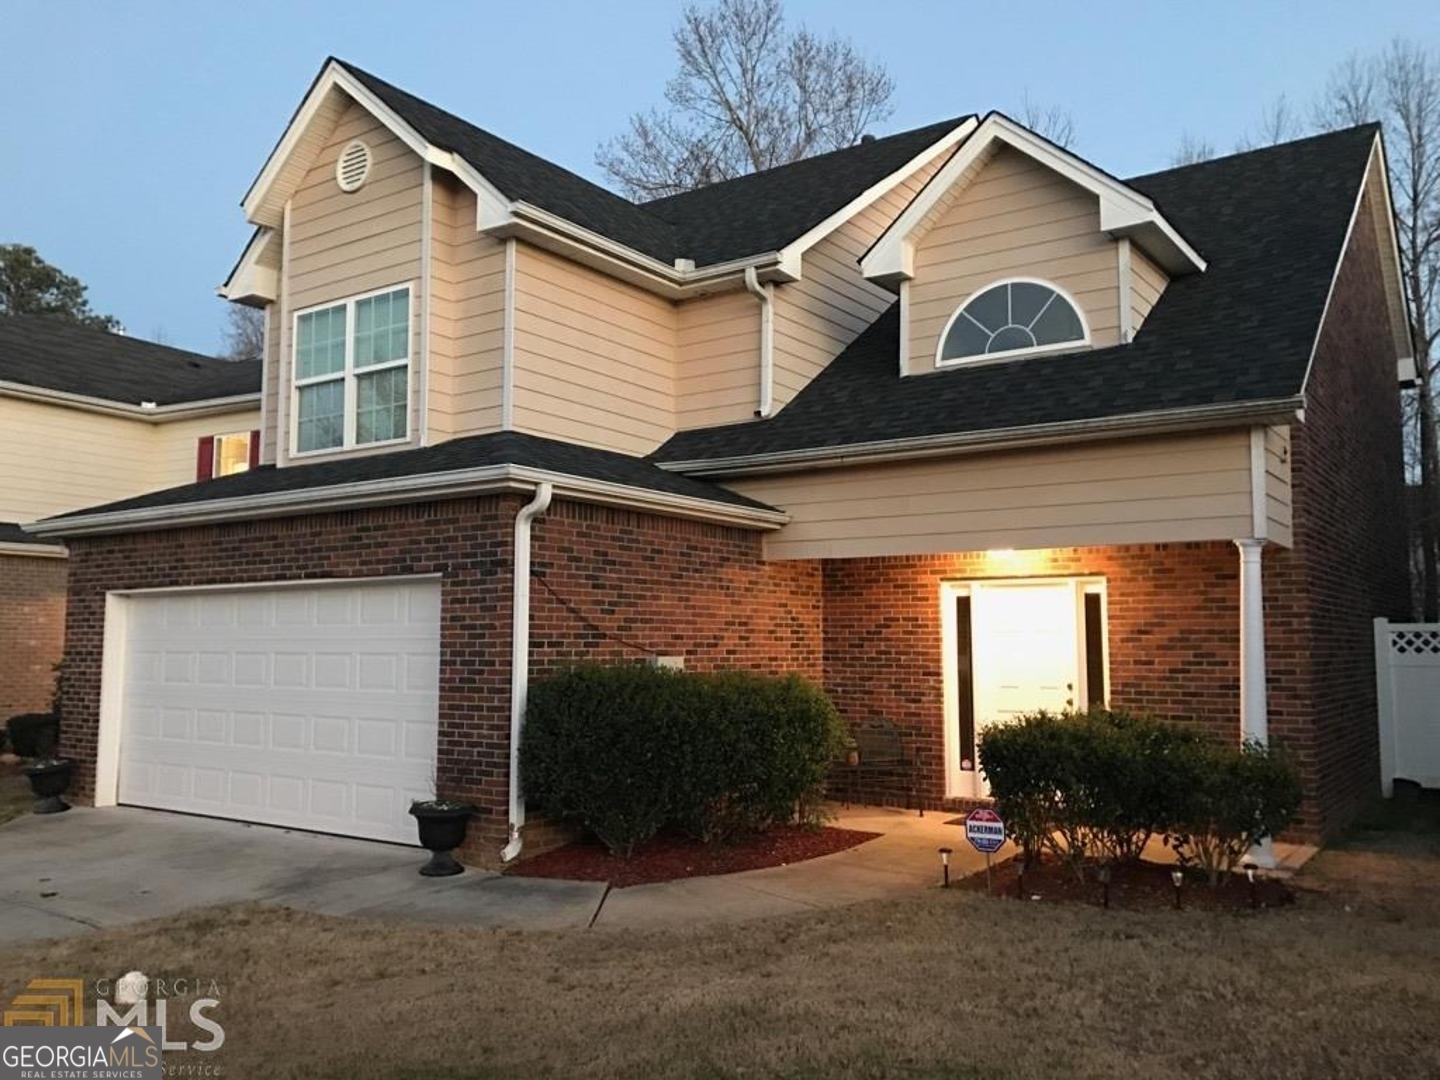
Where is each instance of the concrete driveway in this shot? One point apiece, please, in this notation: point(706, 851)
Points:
point(88, 869)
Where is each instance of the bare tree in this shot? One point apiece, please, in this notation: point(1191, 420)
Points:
point(749, 94)
point(244, 333)
point(1052, 121)
point(1401, 89)
point(1192, 150)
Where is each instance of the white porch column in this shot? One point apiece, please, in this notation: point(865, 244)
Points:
point(1254, 718)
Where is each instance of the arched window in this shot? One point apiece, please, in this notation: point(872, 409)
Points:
point(1011, 318)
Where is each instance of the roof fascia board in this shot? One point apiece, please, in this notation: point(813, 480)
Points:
point(1405, 365)
point(154, 414)
point(1282, 410)
point(251, 283)
point(1407, 328)
point(34, 551)
point(459, 483)
point(1123, 210)
point(792, 253)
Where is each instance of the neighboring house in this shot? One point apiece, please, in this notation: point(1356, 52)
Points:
point(87, 416)
point(951, 421)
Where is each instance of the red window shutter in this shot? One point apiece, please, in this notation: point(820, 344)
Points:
point(205, 457)
point(254, 448)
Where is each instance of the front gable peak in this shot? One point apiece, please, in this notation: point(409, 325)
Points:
point(1124, 212)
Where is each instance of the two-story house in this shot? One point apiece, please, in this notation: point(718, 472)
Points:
point(952, 421)
point(89, 416)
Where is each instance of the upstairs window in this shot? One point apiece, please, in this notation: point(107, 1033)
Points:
point(1012, 318)
point(352, 373)
point(226, 455)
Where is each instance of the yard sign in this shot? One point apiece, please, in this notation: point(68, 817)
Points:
point(984, 830)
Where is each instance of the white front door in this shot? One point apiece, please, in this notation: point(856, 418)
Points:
point(1026, 653)
point(309, 706)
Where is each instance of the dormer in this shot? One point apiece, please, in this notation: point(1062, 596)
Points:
point(1018, 248)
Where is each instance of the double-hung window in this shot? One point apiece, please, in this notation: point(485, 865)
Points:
point(352, 373)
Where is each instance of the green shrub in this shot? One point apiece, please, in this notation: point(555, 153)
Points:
point(628, 750)
point(1236, 797)
point(1021, 764)
point(34, 735)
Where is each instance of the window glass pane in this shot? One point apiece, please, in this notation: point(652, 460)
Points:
point(1012, 337)
point(382, 328)
point(322, 415)
point(1027, 300)
point(964, 339)
point(381, 405)
point(320, 342)
point(991, 308)
point(232, 454)
point(1057, 324)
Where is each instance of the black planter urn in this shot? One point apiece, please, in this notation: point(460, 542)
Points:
point(442, 830)
point(48, 781)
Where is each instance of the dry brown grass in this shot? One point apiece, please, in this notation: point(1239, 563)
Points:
point(949, 984)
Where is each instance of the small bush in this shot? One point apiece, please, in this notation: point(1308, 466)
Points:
point(1096, 786)
point(34, 735)
point(628, 750)
point(1236, 797)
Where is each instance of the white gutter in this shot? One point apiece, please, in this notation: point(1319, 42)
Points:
point(520, 657)
point(37, 551)
point(1279, 410)
point(426, 486)
point(766, 295)
point(139, 411)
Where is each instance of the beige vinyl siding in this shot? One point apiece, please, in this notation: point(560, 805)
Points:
point(817, 316)
point(1147, 282)
point(1016, 218)
point(594, 357)
point(270, 425)
point(467, 320)
point(55, 459)
point(344, 244)
point(1155, 490)
point(717, 374)
point(1278, 506)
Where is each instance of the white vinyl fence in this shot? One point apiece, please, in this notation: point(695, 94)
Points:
point(1407, 675)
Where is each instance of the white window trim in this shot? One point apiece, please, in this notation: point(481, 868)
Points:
point(348, 375)
point(217, 438)
point(1012, 354)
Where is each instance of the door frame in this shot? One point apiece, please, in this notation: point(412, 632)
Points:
point(956, 779)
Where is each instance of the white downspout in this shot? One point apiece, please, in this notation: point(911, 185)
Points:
point(520, 657)
point(766, 295)
point(1254, 718)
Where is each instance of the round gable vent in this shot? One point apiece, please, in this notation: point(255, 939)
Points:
point(352, 166)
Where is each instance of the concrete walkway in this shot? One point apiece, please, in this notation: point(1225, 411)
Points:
point(90, 869)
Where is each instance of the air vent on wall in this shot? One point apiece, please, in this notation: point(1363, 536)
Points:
point(352, 166)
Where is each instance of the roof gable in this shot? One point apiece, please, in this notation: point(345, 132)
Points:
point(1123, 210)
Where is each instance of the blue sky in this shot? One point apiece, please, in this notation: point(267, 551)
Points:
point(132, 129)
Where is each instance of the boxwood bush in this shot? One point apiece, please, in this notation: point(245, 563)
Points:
point(629, 749)
point(34, 735)
point(1096, 786)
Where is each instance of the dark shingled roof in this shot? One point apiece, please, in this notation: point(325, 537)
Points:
point(475, 451)
point(57, 354)
point(12, 533)
point(749, 215)
point(1271, 223)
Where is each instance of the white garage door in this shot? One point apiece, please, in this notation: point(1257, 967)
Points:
point(313, 707)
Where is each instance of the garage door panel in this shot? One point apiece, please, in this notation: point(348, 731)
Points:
point(309, 707)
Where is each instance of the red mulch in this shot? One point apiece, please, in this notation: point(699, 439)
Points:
point(668, 857)
point(1138, 887)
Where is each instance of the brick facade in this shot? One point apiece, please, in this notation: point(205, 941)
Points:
point(630, 583)
point(32, 631)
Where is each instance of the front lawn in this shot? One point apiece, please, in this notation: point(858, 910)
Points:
point(1344, 983)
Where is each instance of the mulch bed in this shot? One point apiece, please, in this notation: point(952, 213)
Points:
point(668, 857)
point(1138, 887)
